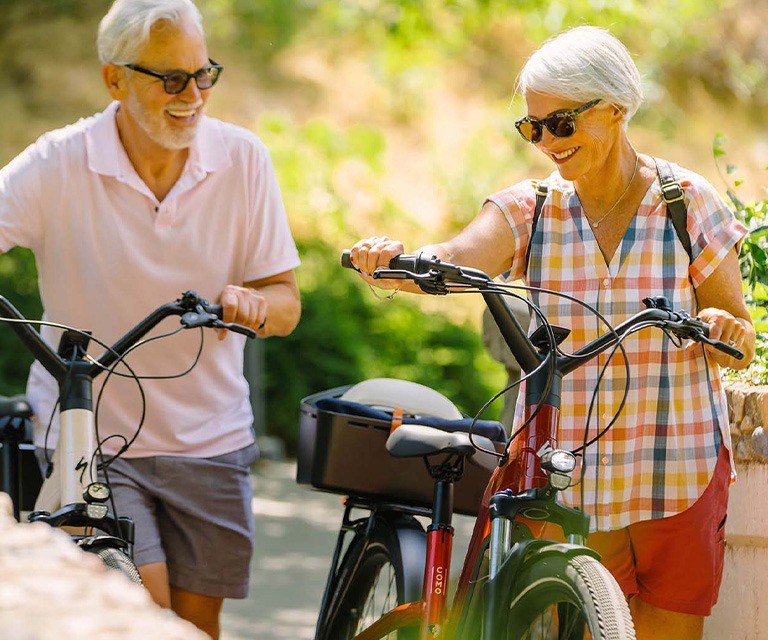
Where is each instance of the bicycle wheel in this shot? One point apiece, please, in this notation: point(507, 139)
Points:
point(118, 561)
point(560, 598)
point(362, 596)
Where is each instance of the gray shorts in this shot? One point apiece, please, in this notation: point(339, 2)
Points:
point(193, 514)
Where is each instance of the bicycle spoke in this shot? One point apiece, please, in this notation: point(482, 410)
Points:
point(382, 598)
point(558, 622)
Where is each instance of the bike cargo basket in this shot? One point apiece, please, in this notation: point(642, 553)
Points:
point(347, 454)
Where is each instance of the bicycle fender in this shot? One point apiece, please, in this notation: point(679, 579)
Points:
point(98, 542)
point(411, 540)
point(564, 548)
point(523, 553)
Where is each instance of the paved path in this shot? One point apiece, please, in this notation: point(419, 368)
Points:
point(296, 530)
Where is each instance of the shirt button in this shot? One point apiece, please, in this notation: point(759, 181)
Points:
point(607, 416)
point(606, 283)
point(604, 460)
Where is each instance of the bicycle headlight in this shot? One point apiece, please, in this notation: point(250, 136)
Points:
point(96, 511)
point(96, 492)
point(558, 461)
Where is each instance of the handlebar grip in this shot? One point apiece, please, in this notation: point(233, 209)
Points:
point(415, 263)
point(346, 260)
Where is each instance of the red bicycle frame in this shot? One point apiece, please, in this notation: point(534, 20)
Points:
point(522, 471)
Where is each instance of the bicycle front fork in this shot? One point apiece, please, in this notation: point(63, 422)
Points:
point(509, 536)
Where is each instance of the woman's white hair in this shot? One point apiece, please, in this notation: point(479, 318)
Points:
point(582, 64)
point(125, 30)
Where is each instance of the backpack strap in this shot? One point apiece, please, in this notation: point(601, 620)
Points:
point(541, 196)
point(672, 192)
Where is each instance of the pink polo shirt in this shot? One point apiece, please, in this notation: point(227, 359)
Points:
point(108, 253)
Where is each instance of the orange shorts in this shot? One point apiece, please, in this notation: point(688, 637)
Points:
point(674, 563)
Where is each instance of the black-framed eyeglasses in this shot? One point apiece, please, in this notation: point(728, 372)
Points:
point(559, 123)
point(176, 81)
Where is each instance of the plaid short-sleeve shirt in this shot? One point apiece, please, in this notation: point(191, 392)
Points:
point(659, 455)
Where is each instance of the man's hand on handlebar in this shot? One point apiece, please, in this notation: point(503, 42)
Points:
point(244, 306)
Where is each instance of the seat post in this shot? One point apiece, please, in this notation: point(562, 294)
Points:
point(439, 546)
point(9, 464)
point(442, 510)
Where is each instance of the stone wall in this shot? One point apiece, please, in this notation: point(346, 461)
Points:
point(748, 409)
point(50, 589)
point(741, 612)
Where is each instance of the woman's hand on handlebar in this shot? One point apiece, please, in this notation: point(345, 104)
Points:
point(727, 328)
point(369, 254)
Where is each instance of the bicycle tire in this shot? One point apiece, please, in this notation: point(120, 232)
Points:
point(374, 587)
point(560, 597)
point(116, 560)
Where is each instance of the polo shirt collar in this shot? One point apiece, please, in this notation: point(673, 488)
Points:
point(107, 156)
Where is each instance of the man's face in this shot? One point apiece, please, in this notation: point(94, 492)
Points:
point(168, 120)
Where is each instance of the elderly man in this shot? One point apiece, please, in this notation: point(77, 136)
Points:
point(124, 210)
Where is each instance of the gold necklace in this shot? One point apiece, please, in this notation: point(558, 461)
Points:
point(595, 223)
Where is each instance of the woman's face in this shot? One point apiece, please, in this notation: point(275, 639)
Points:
point(586, 151)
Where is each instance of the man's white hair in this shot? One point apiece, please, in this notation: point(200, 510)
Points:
point(582, 64)
point(125, 30)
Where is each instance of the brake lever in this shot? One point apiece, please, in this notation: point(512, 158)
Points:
point(431, 282)
point(395, 274)
point(724, 347)
point(693, 329)
point(236, 328)
point(192, 319)
point(434, 280)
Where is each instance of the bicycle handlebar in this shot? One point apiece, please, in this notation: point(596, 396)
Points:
point(430, 273)
point(434, 276)
point(193, 311)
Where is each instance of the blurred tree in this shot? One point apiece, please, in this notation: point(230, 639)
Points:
point(18, 283)
point(333, 173)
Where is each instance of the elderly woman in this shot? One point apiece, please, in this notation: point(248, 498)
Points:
point(657, 483)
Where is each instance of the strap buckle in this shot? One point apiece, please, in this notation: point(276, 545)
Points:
point(540, 188)
point(672, 192)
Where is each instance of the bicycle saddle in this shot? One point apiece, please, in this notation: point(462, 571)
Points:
point(15, 407)
point(415, 440)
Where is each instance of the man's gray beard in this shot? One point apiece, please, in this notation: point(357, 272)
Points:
point(157, 130)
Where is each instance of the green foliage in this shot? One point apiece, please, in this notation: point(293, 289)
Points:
point(757, 372)
point(753, 260)
point(18, 283)
point(332, 175)
point(347, 333)
point(261, 29)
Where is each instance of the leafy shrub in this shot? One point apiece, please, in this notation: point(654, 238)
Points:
point(18, 283)
point(347, 335)
point(753, 260)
